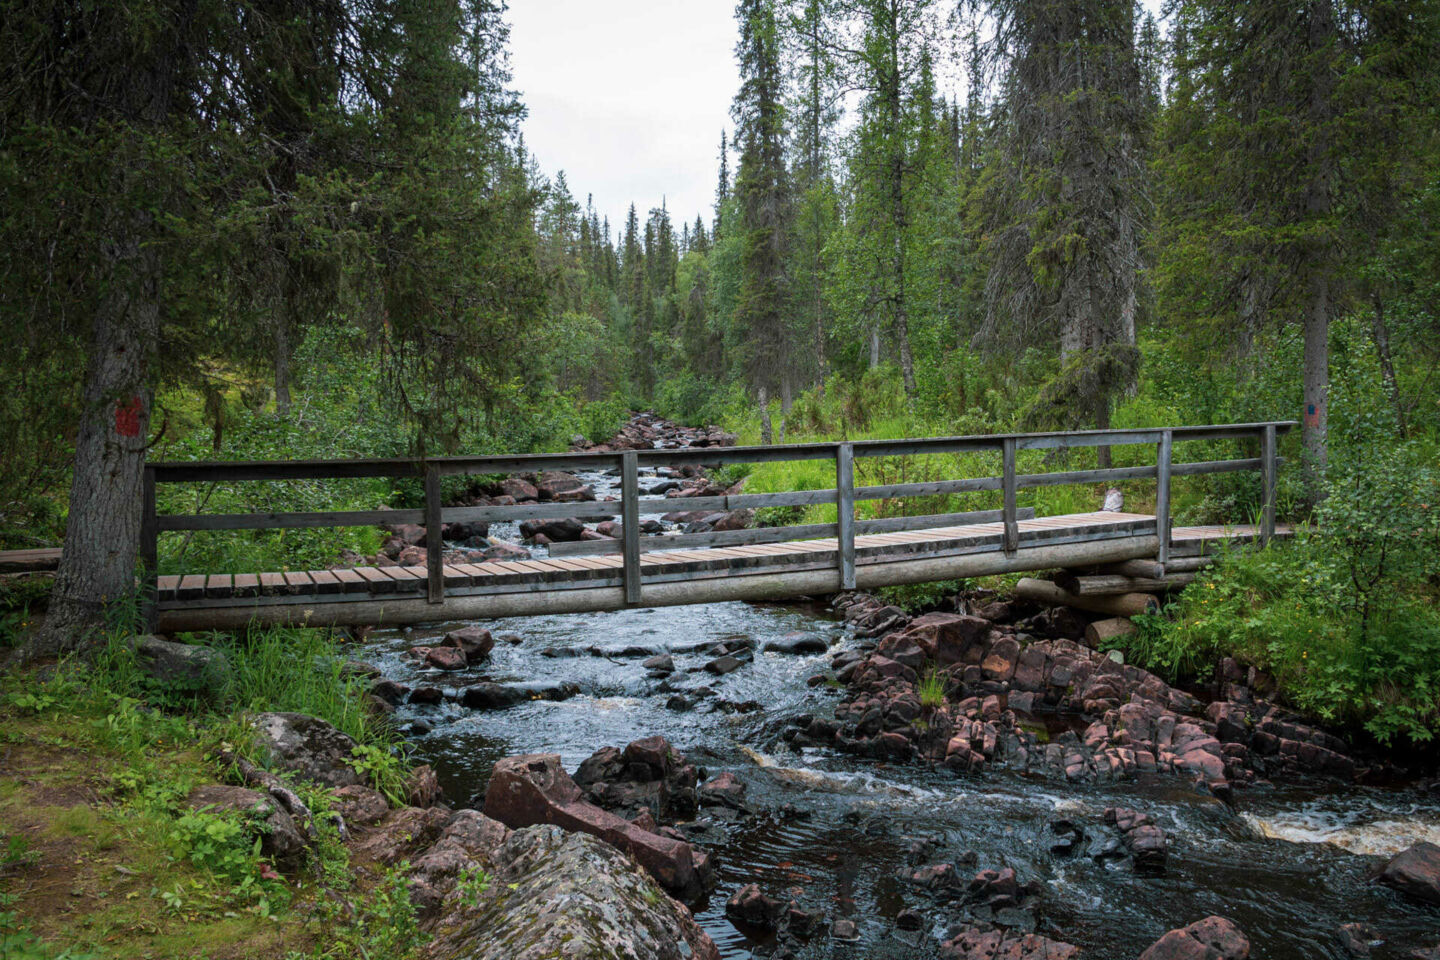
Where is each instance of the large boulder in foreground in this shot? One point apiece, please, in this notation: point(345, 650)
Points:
point(1214, 938)
point(1415, 872)
point(568, 895)
point(535, 789)
point(305, 746)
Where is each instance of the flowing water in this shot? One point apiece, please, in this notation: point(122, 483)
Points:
point(1289, 865)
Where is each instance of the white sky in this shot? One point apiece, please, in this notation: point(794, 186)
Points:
point(628, 97)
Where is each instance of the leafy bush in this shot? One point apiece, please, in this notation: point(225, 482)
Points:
point(1344, 616)
point(920, 597)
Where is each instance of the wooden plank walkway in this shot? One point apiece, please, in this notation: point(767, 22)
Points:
point(35, 560)
point(661, 565)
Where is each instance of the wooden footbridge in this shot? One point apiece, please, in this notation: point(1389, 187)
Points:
point(750, 564)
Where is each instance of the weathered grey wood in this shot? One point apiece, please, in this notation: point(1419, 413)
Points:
point(933, 520)
point(762, 585)
point(149, 549)
point(685, 541)
point(740, 501)
point(207, 471)
point(268, 521)
point(1008, 485)
point(1162, 494)
point(1103, 632)
point(895, 491)
point(1267, 483)
point(845, 512)
point(1111, 585)
point(1125, 605)
point(630, 522)
point(1153, 569)
point(434, 538)
point(1187, 564)
point(575, 510)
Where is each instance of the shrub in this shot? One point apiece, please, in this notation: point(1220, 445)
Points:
point(1344, 616)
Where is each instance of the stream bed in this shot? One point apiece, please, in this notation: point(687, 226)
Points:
point(1289, 864)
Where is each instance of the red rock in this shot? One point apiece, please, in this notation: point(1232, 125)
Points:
point(475, 642)
point(748, 905)
point(1415, 871)
point(1000, 663)
point(534, 789)
point(974, 944)
point(359, 804)
point(1214, 938)
point(445, 658)
point(519, 489)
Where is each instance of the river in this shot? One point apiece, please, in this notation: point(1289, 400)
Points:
point(1288, 864)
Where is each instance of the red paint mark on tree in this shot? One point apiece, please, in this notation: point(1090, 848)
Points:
point(127, 417)
point(1312, 415)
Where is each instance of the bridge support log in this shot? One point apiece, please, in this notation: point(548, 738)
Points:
point(1124, 605)
point(775, 585)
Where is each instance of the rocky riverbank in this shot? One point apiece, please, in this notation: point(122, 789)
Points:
point(1001, 692)
point(481, 889)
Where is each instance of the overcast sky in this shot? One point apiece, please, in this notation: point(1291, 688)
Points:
point(628, 97)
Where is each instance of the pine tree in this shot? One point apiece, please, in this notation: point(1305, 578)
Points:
point(722, 187)
point(1066, 211)
point(762, 190)
point(1288, 127)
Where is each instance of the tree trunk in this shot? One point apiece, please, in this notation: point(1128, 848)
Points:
point(1316, 385)
point(767, 435)
point(1380, 333)
point(102, 531)
point(282, 367)
point(874, 346)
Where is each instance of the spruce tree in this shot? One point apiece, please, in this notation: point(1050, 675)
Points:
point(1066, 210)
point(762, 309)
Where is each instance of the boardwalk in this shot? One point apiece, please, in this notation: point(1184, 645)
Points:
point(397, 594)
point(750, 564)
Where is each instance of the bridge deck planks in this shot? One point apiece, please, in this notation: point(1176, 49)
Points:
point(498, 576)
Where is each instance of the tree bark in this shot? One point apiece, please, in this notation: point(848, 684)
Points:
point(767, 435)
point(282, 366)
point(1316, 386)
point(102, 531)
point(1380, 334)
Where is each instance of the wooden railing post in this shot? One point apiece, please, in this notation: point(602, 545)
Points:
point(149, 550)
point(1267, 483)
point(845, 513)
point(434, 537)
point(1011, 540)
point(1162, 496)
point(630, 522)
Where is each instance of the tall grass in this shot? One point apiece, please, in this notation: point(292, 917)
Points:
point(298, 670)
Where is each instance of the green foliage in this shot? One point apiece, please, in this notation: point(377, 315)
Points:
point(932, 689)
point(472, 884)
point(384, 927)
point(227, 846)
point(298, 670)
point(384, 768)
point(916, 598)
point(1344, 617)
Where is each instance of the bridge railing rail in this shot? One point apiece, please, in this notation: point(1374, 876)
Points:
point(844, 495)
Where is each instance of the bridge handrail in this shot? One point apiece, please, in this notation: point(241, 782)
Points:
point(844, 494)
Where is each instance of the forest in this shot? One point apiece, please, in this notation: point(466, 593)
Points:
point(313, 229)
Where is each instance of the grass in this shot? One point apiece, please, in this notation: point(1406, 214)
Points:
point(932, 689)
point(102, 856)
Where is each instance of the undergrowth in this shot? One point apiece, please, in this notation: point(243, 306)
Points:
point(1344, 616)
